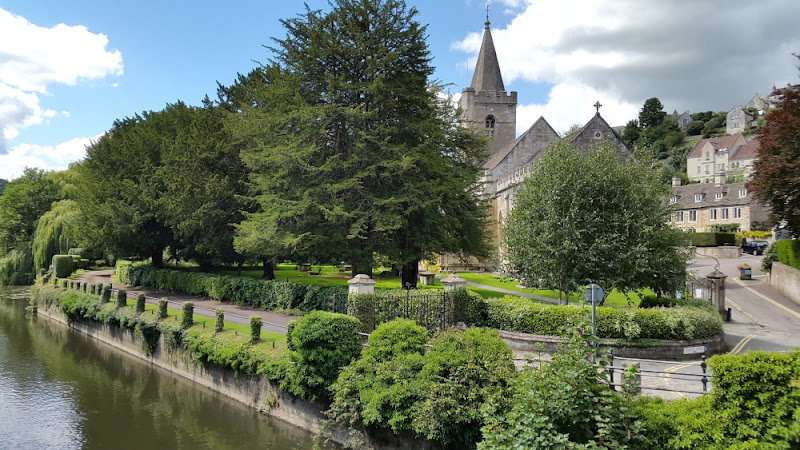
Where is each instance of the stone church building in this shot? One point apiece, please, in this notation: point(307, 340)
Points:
point(490, 109)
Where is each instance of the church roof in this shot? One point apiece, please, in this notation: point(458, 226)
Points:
point(487, 71)
point(501, 155)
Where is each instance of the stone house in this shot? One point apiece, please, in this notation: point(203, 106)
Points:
point(682, 119)
point(739, 119)
point(489, 109)
point(726, 157)
point(699, 206)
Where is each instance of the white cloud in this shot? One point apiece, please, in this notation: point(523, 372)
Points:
point(691, 55)
point(43, 156)
point(33, 58)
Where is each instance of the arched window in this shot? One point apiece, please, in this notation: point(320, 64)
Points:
point(489, 126)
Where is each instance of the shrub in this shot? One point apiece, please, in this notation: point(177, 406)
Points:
point(187, 319)
point(364, 307)
point(468, 307)
point(122, 298)
point(323, 343)
point(711, 239)
point(83, 263)
point(788, 251)
point(17, 267)
point(162, 308)
point(679, 323)
point(76, 251)
point(255, 328)
point(140, 302)
point(770, 256)
point(63, 266)
point(651, 301)
point(220, 325)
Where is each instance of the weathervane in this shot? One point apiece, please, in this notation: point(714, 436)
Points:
point(597, 106)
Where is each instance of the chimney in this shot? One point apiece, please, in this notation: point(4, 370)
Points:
point(676, 181)
point(719, 178)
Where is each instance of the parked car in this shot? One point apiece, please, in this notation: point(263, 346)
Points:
point(755, 247)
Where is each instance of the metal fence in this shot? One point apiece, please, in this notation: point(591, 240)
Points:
point(430, 309)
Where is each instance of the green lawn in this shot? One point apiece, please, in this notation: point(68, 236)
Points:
point(615, 298)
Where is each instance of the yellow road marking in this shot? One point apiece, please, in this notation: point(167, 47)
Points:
point(796, 314)
point(739, 308)
point(740, 346)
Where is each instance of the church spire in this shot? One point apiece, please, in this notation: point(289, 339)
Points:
point(487, 71)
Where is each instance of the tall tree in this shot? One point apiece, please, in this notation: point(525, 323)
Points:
point(3, 184)
point(583, 218)
point(347, 138)
point(776, 172)
point(24, 201)
point(652, 113)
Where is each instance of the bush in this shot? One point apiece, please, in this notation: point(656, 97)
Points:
point(255, 328)
point(220, 324)
point(711, 239)
point(187, 319)
point(63, 265)
point(162, 308)
point(242, 291)
point(770, 256)
point(468, 307)
point(651, 301)
point(140, 302)
point(122, 298)
point(788, 251)
point(679, 323)
point(323, 343)
point(106, 293)
point(364, 307)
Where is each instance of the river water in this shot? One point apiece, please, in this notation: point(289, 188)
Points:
point(62, 390)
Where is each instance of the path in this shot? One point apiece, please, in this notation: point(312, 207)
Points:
point(271, 321)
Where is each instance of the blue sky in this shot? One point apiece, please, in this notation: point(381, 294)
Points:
point(68, 69)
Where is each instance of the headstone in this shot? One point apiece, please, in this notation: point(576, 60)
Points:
point(453, 282)
point(361, 284)
point(427, 278)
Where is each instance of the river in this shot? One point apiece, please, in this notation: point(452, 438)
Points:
point(60, 389)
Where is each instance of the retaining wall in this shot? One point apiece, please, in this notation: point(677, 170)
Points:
point(251, 390)
point(725, 251)
point(786, 279)
point(666, 349)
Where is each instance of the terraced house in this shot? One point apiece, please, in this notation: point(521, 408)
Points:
point(698, 207)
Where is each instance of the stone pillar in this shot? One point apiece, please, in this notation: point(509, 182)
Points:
point(717, 280)
point(361, 284)
point(454, 282)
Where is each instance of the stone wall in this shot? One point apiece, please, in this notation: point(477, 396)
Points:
point(786, 280)
point(728, 251)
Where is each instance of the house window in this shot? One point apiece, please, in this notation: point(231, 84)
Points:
point(707, 169)
point(698, 169)
point(673, 199)
point(708, 155)
point(679, 216)
point(720, 167)
point(725, 214)
point(693, 215)
point(737, 213)
point(698, 197)
point(713, 214)
point(718, 196)
point(742, 193)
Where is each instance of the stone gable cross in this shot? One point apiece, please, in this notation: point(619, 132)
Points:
point(597, 106)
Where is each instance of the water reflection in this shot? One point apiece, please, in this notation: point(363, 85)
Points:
point(61, 389)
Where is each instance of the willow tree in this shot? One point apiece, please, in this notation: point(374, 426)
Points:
point(56, 232)
point(585, 217)
point(351, 151)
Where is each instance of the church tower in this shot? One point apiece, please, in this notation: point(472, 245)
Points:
point(489, 109)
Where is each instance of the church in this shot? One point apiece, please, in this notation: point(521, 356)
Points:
point(489, 109)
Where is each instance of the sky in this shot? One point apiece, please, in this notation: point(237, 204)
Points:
point(68, 69)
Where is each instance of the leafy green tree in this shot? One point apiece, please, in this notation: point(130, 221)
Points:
point(631, 133)
point(695, 127)
point(3, 184)
point(351, 152)
point(58, 230)
point(587, 218)
point(25, 199)
point(652, 113)
point(776, 172)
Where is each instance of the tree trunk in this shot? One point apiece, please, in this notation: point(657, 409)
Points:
point(157, 258)
point(239, 268)
point(361, 268)
point(269, 269)
point(410, 274)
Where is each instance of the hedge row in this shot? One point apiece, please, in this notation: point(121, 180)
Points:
point(711, 239)
point(524, 316)
point(242, 291)
point(788, 252)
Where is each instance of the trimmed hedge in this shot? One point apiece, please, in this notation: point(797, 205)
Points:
point(242, 291)
point(678, 323)
point(711, 239)
point(788, 252)
point(651, 301)
point(63, 265)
